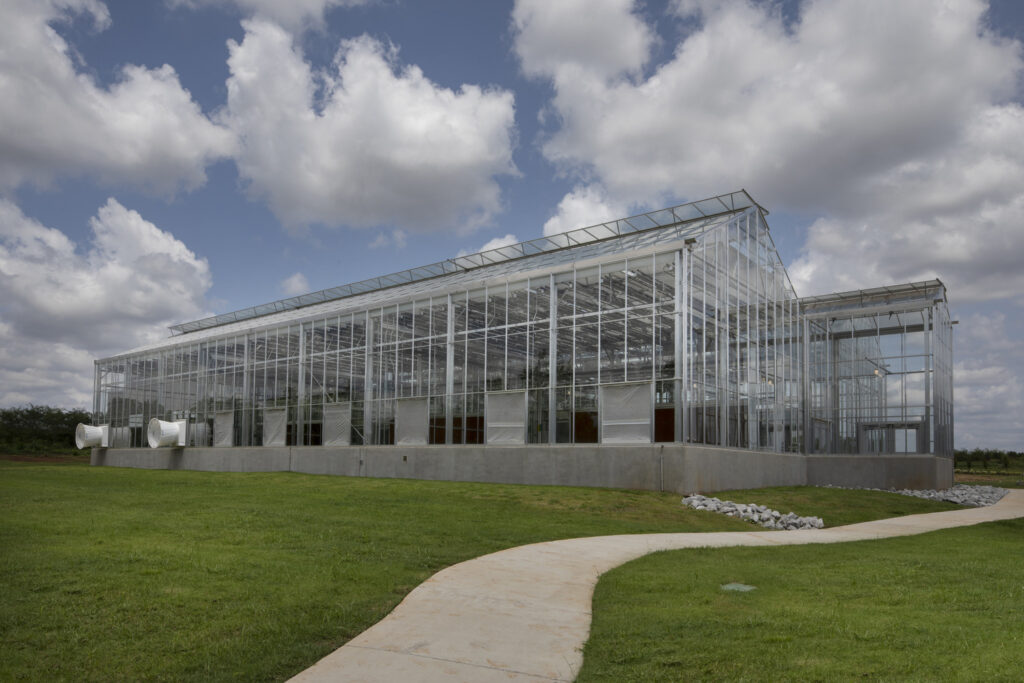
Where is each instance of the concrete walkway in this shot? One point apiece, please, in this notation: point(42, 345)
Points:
point(523, 614)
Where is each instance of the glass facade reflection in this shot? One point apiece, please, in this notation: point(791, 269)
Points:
point(676, 326)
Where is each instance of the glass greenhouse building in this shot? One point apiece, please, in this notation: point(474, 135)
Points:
point(676, 326)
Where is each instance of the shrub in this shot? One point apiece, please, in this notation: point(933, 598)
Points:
point(39, 429)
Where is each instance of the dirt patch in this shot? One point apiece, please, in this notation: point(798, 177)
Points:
point(1012, 479)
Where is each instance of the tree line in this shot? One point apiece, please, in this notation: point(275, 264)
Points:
point(986, 457)
point(39, 429)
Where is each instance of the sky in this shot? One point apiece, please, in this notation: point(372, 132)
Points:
point(168, 160)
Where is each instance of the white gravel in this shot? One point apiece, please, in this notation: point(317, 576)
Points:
point(962, 494)
point(751, 512)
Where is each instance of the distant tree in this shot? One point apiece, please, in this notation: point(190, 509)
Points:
point(34, 429)
point(962, 459)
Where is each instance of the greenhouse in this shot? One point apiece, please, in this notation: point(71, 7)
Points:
point(677, 326)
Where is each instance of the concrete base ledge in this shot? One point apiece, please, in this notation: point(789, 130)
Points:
point(652, 467)
point(883, 472)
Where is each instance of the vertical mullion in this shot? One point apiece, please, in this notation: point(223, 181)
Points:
point(680, 363)
point(300, 419)
point(552, 359)
point(928, 375)
point(247, 421)
point(368, 393)
point(449, 373)
point(504, 374)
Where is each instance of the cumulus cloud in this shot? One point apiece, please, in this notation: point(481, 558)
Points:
point(495, 243)
point(53, 373)
point(976, 253)
point(55, 119)
point(292, 14)
point(586, 205)
point(395, 238)
point(295, 284)
point(498, 242)
point(957, 217)
point(367, 142)
point(988, 391)
point(63, 305)
point(569, 37)
point(804, 116)
point(891, 120)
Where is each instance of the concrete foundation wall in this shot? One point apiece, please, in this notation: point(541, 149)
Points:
point(706, 468)
point(880, 471)
point(652, 467)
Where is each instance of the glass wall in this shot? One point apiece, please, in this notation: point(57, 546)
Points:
point(707, 319)
point(879, 376)
point(741, 375)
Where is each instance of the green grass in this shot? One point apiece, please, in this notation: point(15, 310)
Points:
point(943, 606)
point(121, 574)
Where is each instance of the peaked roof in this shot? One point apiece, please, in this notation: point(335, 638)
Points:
point(684, 213)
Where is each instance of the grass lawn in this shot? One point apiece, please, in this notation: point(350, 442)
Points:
point(943, 606)
point(121, 574)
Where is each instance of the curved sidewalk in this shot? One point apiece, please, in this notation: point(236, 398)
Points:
point(523, 614)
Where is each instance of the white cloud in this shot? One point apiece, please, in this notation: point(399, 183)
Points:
point(586, 205)
point(975, 253)
point(498, 242)
point(494, 243)
point(52, 373)
point(569, 37)
point(890, 121)
point(988, 390)
point(144, 130)
point(62, 305)
point(366, 143)
point(295, 284)
point(292, 14)
point(396, 238)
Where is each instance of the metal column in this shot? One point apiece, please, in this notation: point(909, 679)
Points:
point(805, 388)
point(368, 436)
point(449, 374)
point(300, 413)
point(552, 359)
point(680, 264)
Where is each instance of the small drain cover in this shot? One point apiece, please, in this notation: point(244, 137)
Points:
point(738, 587)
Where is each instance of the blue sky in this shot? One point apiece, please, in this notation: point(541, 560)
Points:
point(162, 161)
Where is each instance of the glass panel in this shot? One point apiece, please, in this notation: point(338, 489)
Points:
point(586, 358)
point(640, 282)
point(639, 350)
point(518, 303)
point(613, 285)
point(421, 320)
point(477, 311)
point(517, 348)
point(565, 291)
point(496, 306)
point(588, 291)
point(540, 298)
